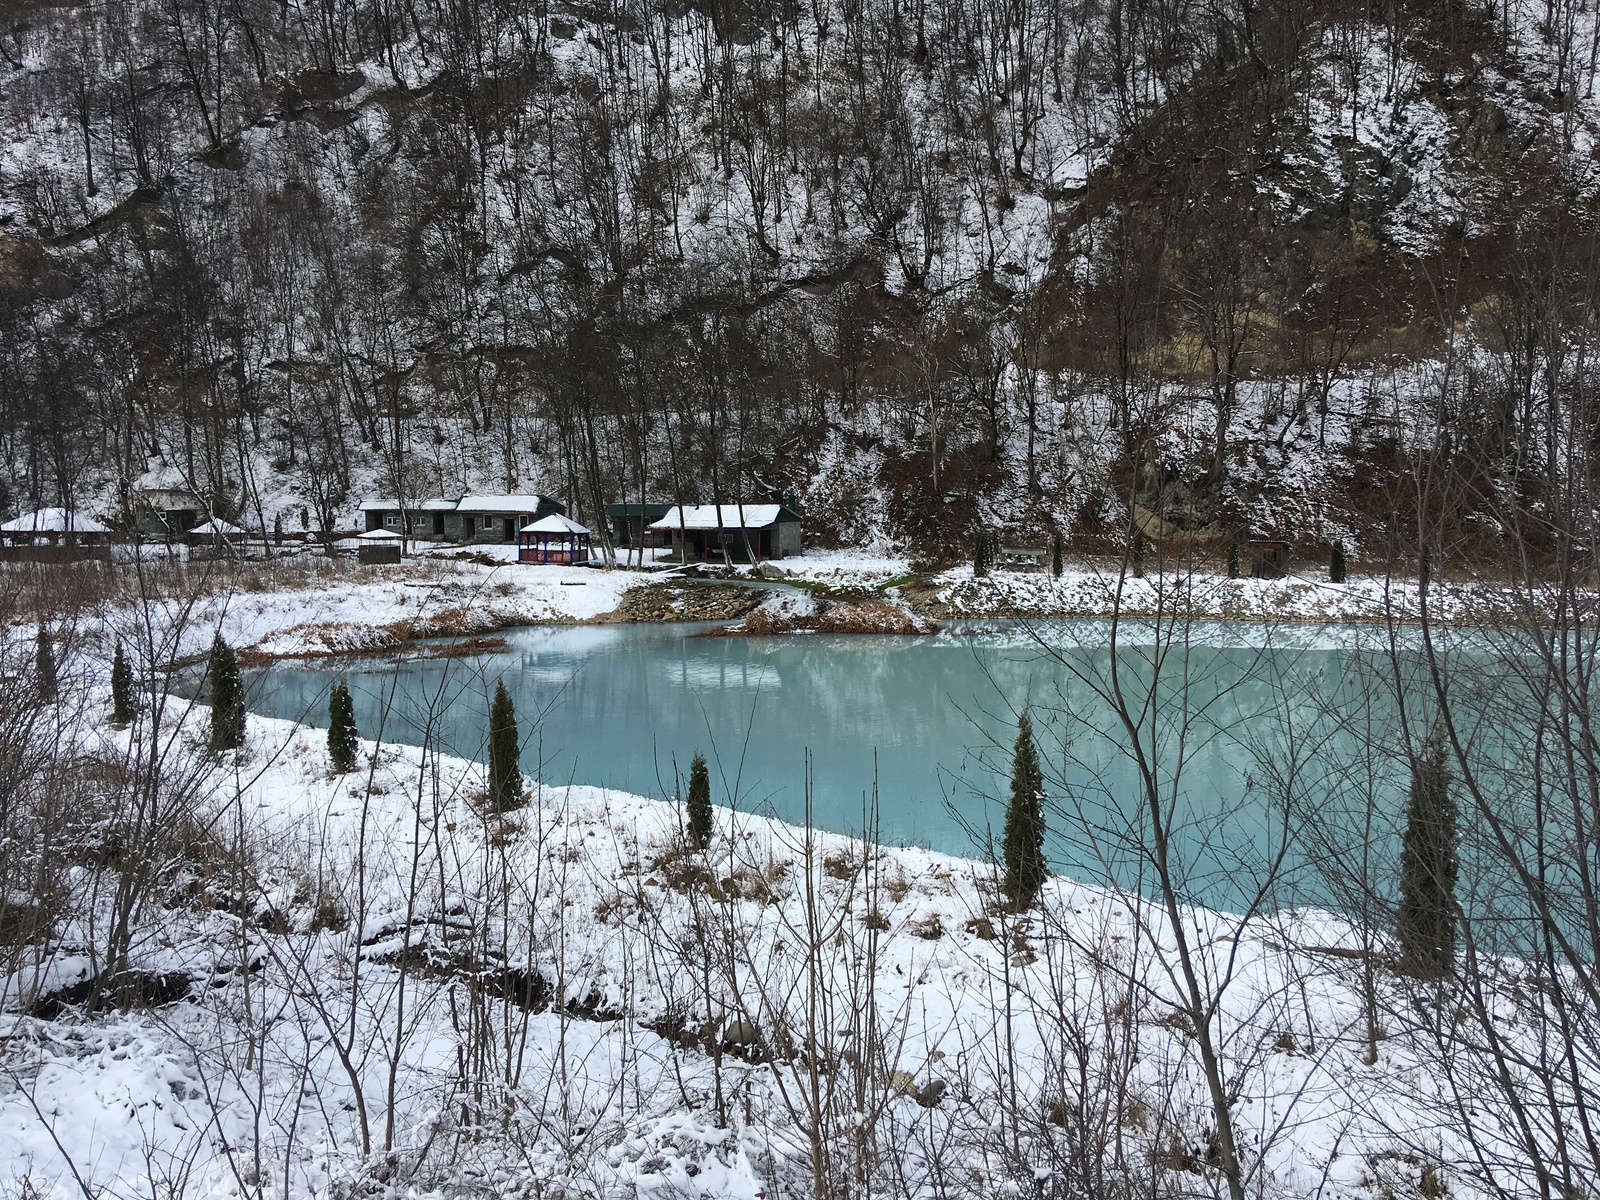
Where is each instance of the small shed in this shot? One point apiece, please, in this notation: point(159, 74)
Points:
point(731, 532)
point(630, 524)
point(52, 527)
point(379, 547)
point(1269, 558)
point(554, 539)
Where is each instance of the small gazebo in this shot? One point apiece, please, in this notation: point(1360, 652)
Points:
point(554, 539)
point(215, 532)
point(378, 547)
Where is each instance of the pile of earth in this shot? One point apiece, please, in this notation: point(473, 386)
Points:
point(871, 617)
point(677, 601)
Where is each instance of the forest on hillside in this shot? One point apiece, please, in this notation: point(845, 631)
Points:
point(1317, 269)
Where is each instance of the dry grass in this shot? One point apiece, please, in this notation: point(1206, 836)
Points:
point(897, 886)
point(929, 928)
point(684, 869)
point(56, 593)
point(839, 864)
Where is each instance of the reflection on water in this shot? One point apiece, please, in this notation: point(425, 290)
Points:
point(929, 721)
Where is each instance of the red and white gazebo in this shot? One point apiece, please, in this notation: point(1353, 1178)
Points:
point(554, 539)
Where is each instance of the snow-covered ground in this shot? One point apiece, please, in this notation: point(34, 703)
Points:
point(706, 1023)
point(1098, 588)
point(312, 605)
point(1087, 591)
point(391, 991)
point(316, 607)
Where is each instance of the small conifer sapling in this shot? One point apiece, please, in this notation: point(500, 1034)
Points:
point(1022, 844)
point(505, 770)
point(698, 814)
point(1056, 555)
point(122, 707)
point(342, 732)
point(227, 697)
point(1233, 557)
point(1336, 563)
point(1426, 922)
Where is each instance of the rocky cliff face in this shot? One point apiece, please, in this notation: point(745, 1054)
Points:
point(1203, 270)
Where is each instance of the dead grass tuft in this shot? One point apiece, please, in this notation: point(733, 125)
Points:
point(929, 928)
point(683, 869)
point(839, 864)
point(897, 885)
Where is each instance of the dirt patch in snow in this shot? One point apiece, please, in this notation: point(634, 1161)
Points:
point(410, 635)
point(677, 601)
point(872, 617)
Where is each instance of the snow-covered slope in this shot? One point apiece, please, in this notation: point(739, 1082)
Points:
point(390, 993)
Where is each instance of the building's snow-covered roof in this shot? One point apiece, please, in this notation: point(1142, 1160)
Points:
point(167, 498)
point(393, 505)
point(53, 520)
point(217, 527)
point(555, 523)
point(463, 504)
point(379, 535)
point(499, 504)
point(732, 516)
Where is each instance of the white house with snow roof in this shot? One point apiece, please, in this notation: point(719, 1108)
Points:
point(731, 532)
point(474, 518)
point(54, 535)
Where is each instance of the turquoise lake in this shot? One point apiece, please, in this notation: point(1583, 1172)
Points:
point(1266, 743)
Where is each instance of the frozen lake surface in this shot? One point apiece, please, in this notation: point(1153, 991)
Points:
point(1251, 731)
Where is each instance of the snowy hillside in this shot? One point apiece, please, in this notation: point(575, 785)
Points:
point(928, 268)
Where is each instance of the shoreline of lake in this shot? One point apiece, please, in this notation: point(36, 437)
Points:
point(738, 604)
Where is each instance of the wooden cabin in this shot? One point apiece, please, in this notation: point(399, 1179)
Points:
point(214, 538)
point(554, 539)
point(731, 532)
point(214, 530)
